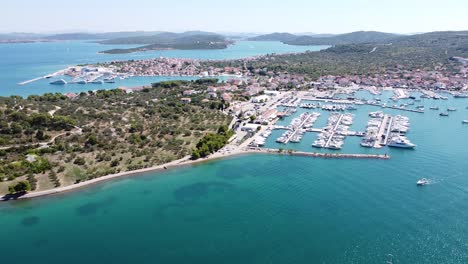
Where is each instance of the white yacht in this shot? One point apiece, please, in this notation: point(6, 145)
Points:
point(465, 121)
point(59, 82)
point(377, 114)
point(401, 142)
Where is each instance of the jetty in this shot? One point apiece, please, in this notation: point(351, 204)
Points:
point(61, 72)
point(404, 109)
point(318, 154)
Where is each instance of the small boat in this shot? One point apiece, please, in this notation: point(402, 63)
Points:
point(465, 121)
point(444, 114)
point(434, 108)
point(109, 80)
point(97, 82)
point(59, 82)
point(422, 182)
point(82, 82)
point(451, 109)
point(461, 95)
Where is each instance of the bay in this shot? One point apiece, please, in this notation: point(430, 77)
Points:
point(21, 62)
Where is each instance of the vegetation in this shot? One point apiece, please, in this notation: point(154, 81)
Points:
point(423, 51)
point(103, 132)
point(19, 187)
point(182, 41)
point(212, 142)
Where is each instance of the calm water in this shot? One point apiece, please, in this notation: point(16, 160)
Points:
point(267, 209)
point(21, 62)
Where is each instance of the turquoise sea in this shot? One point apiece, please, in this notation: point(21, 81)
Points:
point(267, 208)
point(21, 62)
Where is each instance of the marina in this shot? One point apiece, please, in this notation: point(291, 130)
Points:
point(333, 135)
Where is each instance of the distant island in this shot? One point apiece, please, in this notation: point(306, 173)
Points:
point(341, 39)
point(182, 41)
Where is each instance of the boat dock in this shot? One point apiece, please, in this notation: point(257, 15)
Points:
point(404, 109)
point(61, 72)
point(334, 131)
point(384, 131)
point(32, 80)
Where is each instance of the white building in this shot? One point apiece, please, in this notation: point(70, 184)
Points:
point(271, 93)
point(250, 127)
point(260, 99)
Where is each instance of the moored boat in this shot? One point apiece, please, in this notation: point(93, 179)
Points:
point(401, 142)
point(59, 82)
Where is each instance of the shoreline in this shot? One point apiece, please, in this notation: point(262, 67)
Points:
point(163, 167)
point(180, 163)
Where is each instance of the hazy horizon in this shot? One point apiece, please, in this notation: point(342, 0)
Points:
point(332, 17)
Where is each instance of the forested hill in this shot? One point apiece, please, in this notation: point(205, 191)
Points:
point(411, 52)
point(164, 38)
point(349, 38)
point(275, 37)
point(171, 41)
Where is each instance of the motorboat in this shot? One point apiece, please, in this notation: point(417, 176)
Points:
point(59, 82)
point(434, 108)
point(422, 182)
point(465, 121)
point(451, 109)
point(401, 142)
point(444, 114)
point(377, 114)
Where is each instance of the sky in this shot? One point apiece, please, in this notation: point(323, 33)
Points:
point(259, 16)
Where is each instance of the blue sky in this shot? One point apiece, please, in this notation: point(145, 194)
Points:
point(325, 16)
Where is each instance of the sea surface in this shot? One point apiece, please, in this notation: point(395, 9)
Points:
point(254, 208)
point(266, 208)
point(21, 62)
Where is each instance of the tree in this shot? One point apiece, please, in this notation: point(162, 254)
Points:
point(16, 128)
point(19, 187)
point(195, 154)
point(222, 130)
point(80, 161)
point(40, 135)
point(92, 140)
point(115, 163)
point(252, 118)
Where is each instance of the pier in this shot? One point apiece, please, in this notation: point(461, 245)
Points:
point(404, 109)
point(333, 131)
point(397, 108)
point(318, 154)
point(61, 72)
point(389, 130)
point(384, 127)
point(32, 80)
